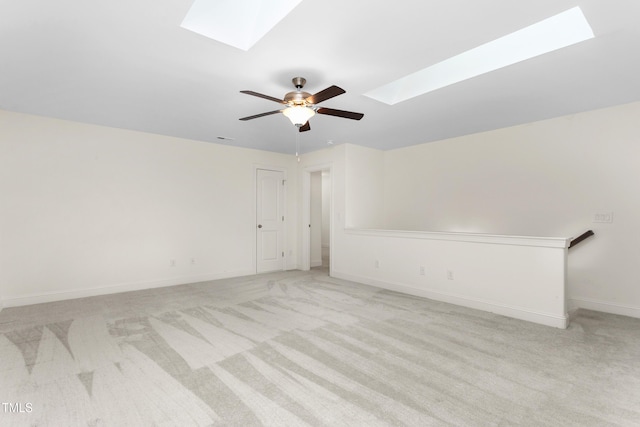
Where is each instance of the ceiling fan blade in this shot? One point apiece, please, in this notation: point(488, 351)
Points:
point(259, 95)
point(323, 95)
point(305, 127)
point(339, 113)
point(261, 115)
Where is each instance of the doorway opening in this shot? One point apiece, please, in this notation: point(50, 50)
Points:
point(316, 245)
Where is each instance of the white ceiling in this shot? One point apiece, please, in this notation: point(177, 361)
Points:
point(129, 64)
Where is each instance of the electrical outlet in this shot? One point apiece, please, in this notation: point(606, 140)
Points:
point(193, 261)
point(449, 275)
point(377, 264)
point(422, 270)
point(172, 263)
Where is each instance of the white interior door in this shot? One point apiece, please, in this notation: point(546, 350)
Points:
point(269, 220)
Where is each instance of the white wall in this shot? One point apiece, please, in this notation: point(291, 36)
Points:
point(513, 276)
point(543, 179)
point(365, 196)
point(518, 277)
point(89, 210)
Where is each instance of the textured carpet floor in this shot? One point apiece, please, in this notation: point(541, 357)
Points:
point(296, 349)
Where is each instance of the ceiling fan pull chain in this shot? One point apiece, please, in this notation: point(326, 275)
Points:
point(298, 145)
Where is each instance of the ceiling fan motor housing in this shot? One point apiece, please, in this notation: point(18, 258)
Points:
point(296, 98)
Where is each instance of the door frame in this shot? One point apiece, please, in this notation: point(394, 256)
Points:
point(305, 264)
point(285, 247)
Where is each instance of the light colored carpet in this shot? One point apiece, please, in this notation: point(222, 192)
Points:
point(296, 349)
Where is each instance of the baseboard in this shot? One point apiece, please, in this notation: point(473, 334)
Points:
point(316, 263)
point(114, 289)
point(606, 307)
point(291, 264)
point(547, 319)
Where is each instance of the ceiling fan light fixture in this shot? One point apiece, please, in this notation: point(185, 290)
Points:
point(300, 106)
point(299, 114)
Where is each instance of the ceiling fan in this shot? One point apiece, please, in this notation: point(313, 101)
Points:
point(301, 106)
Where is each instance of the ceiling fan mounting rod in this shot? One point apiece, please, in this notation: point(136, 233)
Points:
point(299, 82)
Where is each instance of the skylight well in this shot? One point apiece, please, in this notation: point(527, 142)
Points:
point(238, 23)
point(556, 32)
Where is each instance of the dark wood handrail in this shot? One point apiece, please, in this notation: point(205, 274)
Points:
point(580, 238)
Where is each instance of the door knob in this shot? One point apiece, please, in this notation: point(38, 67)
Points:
point(259, 225)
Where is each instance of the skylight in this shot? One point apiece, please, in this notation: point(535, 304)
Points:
point(239, 23)
point(556, 32)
